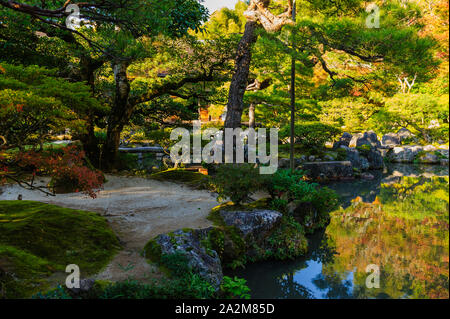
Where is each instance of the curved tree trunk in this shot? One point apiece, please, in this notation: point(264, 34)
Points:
point(257, 13)
point(239, 81)
point(119, 116)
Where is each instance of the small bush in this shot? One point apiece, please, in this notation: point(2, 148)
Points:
point(235, 288)
point(236, 182)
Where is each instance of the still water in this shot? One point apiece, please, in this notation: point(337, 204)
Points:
point(398, 221)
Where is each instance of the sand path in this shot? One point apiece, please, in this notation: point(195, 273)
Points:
point(137, 209)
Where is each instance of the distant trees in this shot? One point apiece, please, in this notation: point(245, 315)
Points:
point(345, 69)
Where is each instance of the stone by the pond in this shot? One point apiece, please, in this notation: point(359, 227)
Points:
point(429, 148)
point(343, 141)
point(444, 162)
point(205, 263)
point(329, 170)
point(358, 161)
point(375, 159)
point(257, 223)
point(429, 158)
point(404, 154)
point(391, 139)
point(368, 138)
point(286, 162)
point(404, 133)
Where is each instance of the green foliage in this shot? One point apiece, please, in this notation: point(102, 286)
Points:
point(288, 241)
point(235, 288)
point(236, 182)
point(311, 135)
point(38, 239)
point(316, 202)
point(34, 101)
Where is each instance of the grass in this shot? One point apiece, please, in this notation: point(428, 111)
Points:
point(38, 239)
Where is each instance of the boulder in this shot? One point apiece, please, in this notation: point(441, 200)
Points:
point(343, 141)
point(358, 161)
point(189, 242)
point(391, 139)
point(404, 133)
point(375, 159)
point(429, 148)
point(429, 158)
point(329, 170)
point(404, 154)
point(368, 138)
point(254, 225)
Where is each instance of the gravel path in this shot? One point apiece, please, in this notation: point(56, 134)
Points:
point(137, 209)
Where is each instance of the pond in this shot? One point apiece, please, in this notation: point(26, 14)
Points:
point(398, 223)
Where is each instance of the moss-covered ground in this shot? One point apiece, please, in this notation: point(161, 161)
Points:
point(37, 240)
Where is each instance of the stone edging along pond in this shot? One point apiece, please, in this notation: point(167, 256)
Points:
point(353, 155)
point(238, 236)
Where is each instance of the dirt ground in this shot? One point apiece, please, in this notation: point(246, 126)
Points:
point(138, 210)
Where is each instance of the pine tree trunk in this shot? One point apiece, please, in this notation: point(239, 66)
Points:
point(239, 81)
point(119, 116)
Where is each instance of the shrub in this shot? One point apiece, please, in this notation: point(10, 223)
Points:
point(68, 167)
point(311, 135)
point(237, 182)
point(234, 288)
point(316, 202)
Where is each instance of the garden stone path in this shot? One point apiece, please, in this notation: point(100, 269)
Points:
point(137, 209)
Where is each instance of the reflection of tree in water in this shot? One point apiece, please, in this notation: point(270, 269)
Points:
point(404, 232)
point(290, 289)
point(335, 286)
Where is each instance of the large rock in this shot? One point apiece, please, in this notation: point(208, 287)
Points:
point(189, 242)
point(404, 133)
point(329, 170)
point(254, 225)
point(375, 159)
point(343, 141)
point(368, 138)
point(429, 158)
point(404, 154)
point(359, 162)
point(391, 139)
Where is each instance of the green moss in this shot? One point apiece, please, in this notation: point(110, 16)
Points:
point(190, 178)
point(288, 241)
point(153, 251)
point(37, 239)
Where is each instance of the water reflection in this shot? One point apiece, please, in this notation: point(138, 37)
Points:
point(398, 221)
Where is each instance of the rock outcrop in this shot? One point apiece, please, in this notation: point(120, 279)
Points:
point(368, 138)
point(329, 170)
point(205, 263)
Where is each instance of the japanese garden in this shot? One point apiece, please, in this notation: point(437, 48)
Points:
point(191, 149)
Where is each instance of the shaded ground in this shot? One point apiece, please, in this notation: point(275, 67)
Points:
point(137, 209)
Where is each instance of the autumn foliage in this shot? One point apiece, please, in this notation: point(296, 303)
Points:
point(67, 168)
